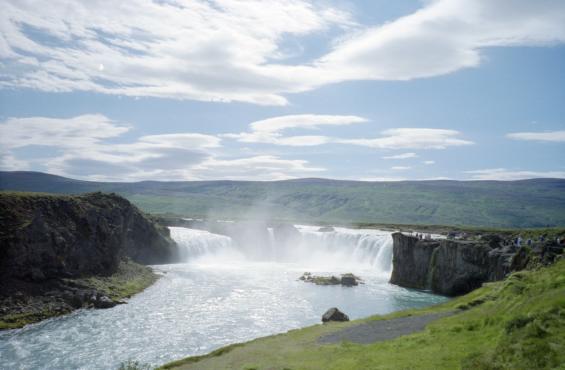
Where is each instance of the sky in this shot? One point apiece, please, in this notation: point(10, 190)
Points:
point(369, 90)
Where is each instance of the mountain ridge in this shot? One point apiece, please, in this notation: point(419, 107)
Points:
point(521, 203)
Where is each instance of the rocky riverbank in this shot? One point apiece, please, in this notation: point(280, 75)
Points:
point(60, 253)
point(454, 267)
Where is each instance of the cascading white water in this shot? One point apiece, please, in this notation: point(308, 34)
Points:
point(340, 249)
point(347, 248)
point(196, 243)
point(272, 243)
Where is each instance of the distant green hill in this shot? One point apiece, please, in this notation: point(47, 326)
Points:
point(526, 203)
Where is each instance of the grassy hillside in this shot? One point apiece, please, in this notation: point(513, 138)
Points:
point(528, 203)
point(518, 323)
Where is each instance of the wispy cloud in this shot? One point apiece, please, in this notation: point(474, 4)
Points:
point(80, 147)
point(401, 156)
point(400, 168)
point(220, 50)
point(264, 167)
point(503, 174)
point(270, 130)
point(428, 163)
point(553, 136)
point(445, 36)
point(412, 138)
point(225, 50)
point(76, 132)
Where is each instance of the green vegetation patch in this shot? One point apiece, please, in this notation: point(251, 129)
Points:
point(518, 323)
point(19, 320)
point(129, 279)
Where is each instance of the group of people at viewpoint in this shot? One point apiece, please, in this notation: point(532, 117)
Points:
point(421, 236)
point(519, 240)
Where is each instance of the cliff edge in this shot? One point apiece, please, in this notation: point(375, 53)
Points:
point(58, 253)
point(455, 267)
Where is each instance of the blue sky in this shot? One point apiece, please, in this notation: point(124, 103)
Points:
point(226, 89)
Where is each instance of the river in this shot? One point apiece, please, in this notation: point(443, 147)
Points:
point(220, 294)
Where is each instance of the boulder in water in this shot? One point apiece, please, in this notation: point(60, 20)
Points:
point(350, 280)
point(307, 277)
point(334, 314)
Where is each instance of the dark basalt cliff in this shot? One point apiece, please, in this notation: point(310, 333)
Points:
point(48, 241)
point(45, 236)
point(454, 267)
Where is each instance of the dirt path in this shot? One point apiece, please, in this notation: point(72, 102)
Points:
point(377, 331)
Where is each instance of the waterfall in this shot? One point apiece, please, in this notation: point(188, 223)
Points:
point(195, 243)
point(339, 249)
point(272, 243)
point(347, 248)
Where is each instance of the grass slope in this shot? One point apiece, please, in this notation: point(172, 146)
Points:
point(518, 323)
point(528, 203)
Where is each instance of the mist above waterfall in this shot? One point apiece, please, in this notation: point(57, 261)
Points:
point(337, 249)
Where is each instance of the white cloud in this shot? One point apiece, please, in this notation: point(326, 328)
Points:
point(309, 121)
point(227, 50)
point(270, 130)
point(80, 148)
point(8, 162)
point(502, 174)
point(76, 132)
point(429, 162)
point(401, 156)
point(182, 140)
point(412, 138)
point(445, 36)
point(263, 167)
point(400, 168)
point(555, 136)
point(218, 50)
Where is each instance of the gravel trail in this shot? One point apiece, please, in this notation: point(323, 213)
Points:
point(377, 331)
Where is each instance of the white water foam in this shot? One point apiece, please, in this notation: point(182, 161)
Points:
point(337, 250)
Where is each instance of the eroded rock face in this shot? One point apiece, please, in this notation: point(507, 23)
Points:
point(46, 237)
point(334, 314)
point(447, 267)
point(49, 243)
point(411, 260)
point(453, 267)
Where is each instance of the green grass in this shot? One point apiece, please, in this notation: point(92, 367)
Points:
point(130, 278)
point(518, 323)
point(15, 321)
